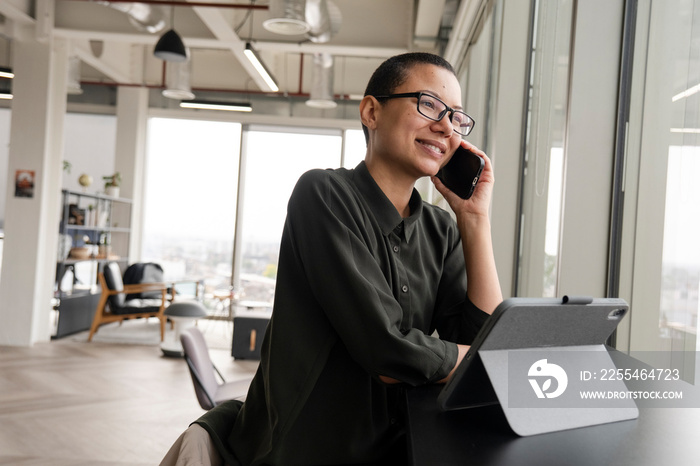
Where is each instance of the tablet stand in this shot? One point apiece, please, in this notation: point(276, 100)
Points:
point(546, 363)
point(528, 415)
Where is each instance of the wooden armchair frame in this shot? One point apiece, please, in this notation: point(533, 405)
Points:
point(104, 317)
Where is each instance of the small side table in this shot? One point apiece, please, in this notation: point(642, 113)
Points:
point(248, 331)
point(183, 314)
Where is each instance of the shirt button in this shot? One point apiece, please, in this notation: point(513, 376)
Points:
point(404, 289)
point(396, 249)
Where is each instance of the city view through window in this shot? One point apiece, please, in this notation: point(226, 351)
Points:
point(275, 161)
point(190, 200)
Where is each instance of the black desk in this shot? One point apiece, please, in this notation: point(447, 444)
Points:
point(481, 436)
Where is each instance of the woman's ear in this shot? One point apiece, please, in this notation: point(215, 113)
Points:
point(369, 109)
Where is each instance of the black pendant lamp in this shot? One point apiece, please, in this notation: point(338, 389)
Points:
point(170, 46)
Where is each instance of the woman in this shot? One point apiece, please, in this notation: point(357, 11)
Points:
point(367, 273)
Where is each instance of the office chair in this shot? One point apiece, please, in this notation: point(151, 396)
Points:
point(203, 371)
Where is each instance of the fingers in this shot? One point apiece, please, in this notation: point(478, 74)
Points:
point(468, 145)
point(487, 173)
point(444, 190)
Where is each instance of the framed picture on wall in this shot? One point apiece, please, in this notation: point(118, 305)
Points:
point(24, 183)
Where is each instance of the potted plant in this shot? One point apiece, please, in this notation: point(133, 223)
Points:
point(112, 183)
point(104, 248)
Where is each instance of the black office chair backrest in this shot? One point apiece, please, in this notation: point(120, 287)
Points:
point(113, 278)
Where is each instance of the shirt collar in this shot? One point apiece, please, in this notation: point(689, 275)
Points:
point(386, 214)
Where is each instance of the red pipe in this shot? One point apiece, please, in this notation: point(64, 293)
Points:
point(301, 70)
point(205, 89)
point(183, 3)
point(201, 89)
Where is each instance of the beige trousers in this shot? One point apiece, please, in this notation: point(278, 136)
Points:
point(193, 448)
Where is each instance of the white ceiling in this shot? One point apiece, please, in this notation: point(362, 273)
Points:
point(112, 51)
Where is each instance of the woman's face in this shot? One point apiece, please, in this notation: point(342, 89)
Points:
point(415, 145)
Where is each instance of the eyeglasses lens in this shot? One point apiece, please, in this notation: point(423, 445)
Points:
point(431, 107)
point(434, 109)
point(462, 123)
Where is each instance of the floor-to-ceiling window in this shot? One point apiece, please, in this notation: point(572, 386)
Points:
point(543, 166)
point(355, 148)
point(660, 252)
point(194, 222)
point(190, 199)
point(275, 158)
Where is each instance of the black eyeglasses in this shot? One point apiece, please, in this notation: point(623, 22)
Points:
point(435, 109)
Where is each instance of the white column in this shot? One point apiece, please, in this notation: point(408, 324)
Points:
point(130, 156)
point(31, 223)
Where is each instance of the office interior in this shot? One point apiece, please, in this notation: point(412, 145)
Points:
point(588, 110)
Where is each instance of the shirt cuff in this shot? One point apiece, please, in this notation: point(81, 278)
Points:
point(448, 363)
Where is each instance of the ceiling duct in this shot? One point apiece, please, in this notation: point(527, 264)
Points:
point(287, 17)
point(324, 19)
point(467, 23)
point(321, 95)
point(73, 84)
point(177, 80)
point(146, 18)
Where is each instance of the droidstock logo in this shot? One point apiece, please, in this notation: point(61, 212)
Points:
point(542, 373)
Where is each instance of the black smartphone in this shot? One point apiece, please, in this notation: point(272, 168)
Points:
point(462, 172)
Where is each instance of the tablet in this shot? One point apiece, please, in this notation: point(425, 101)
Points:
point(509, 357)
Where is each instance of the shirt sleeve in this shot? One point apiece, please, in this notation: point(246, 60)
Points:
point(456, 318)
point(328, 228)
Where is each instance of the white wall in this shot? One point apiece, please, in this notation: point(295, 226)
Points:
point(89, 146)
point(90, 141)
point(4, 157)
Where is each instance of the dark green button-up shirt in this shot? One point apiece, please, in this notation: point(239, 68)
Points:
point(360, 292)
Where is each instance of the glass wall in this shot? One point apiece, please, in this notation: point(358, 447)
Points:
point(543, 166)
point(275, 158)
point(190, 199)
point(660, 268)
point(354, 148)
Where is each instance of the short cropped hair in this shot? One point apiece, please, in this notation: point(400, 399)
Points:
point(395, 70)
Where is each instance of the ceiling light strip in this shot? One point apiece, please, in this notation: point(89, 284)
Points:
point(686, 130)
point(687, 93)
point(231, 107)
point(252, 56)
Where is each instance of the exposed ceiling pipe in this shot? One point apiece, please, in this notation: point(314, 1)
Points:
point(177, 80)
point(322, 87)
point(185, 3)
point(287, 17)
point(324, 19)
point(469, 16)
point(73, 82)
point(143, 17)
point(209, 89)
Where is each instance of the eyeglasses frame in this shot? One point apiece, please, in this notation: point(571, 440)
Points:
point(448, 110)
